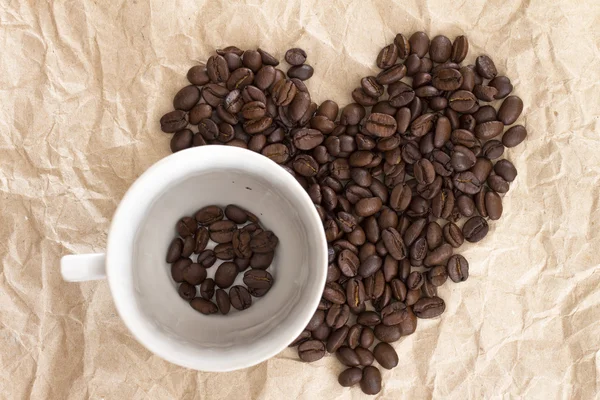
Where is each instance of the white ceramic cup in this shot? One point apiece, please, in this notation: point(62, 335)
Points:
point(144, 293)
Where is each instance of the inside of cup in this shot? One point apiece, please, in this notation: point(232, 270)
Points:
point(274, 319)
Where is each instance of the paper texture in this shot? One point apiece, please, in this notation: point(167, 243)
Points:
point(82, 87)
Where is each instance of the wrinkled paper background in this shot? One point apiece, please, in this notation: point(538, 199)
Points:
point(82, 86)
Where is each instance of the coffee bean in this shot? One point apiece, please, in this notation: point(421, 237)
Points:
point(336, 339)
point(394, 243)
point(434, 235)
point(350, 377)
point(514, 136)
point(348, 263)
point(317, 320)
point(187, 291)
point(181, 140)
point(239, 297)
point(429, 307)
point(365, 357)
point(347, 356)
point(387, 56)
point(354, 335)
point(482, 169)
point(489, 130)
point(437, 275)
point(214, 94)
point(242, 263)
point(493, 205)
point(267, 58)
point(458, 268)
point(414, 231)
point(203, 306)
point(207, 288)
point(368, 206)
point(506, 170)
point(462, 101)
point(264, 242)
point(502, 85)
point(486, 67)
point(414, 280)
point(305, 165)
point(321, 333)
point(302, 72)
point(226, 274)
point(369, 266)
point(334, 293)
point(222, 231)
point(368, 318)
point(419, 44)
point(388, 334)
point(178, 268)
point(209, 214)
point(207, 258)
point(197, 75)
point(337, 315)
point(223, 301)
point(498, 183)
point(453, 235)
point(371, 380)
point(258, 279)
point(174, 251)
point(311, 350)
point(380, 125)
point(440, 49)
point(474, 230)
point(261, 260)
point(467, 182)
point(440, 255)
point(385, 355)
point(295, 56)
point(460, 49)
point(194, 274)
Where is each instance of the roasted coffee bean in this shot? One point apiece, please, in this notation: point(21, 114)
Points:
point(419, 44)
point(328, 109)
point(467, 182)
point(453, 235)
point(437, 275)
point(440, 49)
point(460, 49)
point(321, 333)
point(303, 337)
point(400, 197)
point(482, 169)
point(302, 72)
point(257, 278)
point(197, 75)
point(233, 61)
point(187, 98)
point(462, 158)
point(458, 268)
point(283, 92)
point(428, 289)
point(365, 357)
point(194, 274)
point(489, 130)
point(307, 139)
point(187, 291)
point(498, 183)
point(387, 56)
point(348, 263)
point(493, 205)
point(204, 306)
point(369, 266)
point(347, 356)
point(439, 255)
point(380, 125)
point(387, 334)
point(337, 339)
point(433, 235)
point(207, 258)
point(371, 380)
point(305, 165)
point(506, 170)
point(429, 307)
point(355, 293)
point(186, 226)
point(226, 274)
point(178, 268)
point(242, 263)
point(394, 243)
point(208, 215)
point(214, 94)
point(414, 280)
point(368, 206)
point(350, 377)
point(486, 67)
point(414, 231)
point(368, 318)
point(261, 260)
point(222, 231)
point(295, 56)
point(252, 59)
point(334, 293)
point(337, 315)
point(277, 152)
point(239, 297)
point(175, 250)
point(354, 335)
point(385, 355)
point(502, 85)
point(264, 242)
point(217, 69)
point(207, 288)
point(311, 350)
point(223, 302)
point(182, 140)
point(462, 101)
point(514, 136)
point(398, 289)
point(474, 230)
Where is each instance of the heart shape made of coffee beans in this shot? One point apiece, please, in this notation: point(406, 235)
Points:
point(400, 178)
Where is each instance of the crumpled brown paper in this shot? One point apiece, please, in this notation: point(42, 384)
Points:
point(82, 87)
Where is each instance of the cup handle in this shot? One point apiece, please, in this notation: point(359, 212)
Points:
point(83, 267)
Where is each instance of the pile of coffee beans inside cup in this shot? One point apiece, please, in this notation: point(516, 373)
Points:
point(400, 178)
point(241, 242)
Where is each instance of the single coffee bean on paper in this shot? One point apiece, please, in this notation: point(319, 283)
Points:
point(405, 174)
point(240, 242)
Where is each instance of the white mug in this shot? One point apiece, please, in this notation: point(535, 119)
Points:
point(144, 293)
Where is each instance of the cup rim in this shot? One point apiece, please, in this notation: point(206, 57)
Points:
point(124, 227)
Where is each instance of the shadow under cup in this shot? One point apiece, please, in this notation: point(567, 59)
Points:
point(241, 338)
